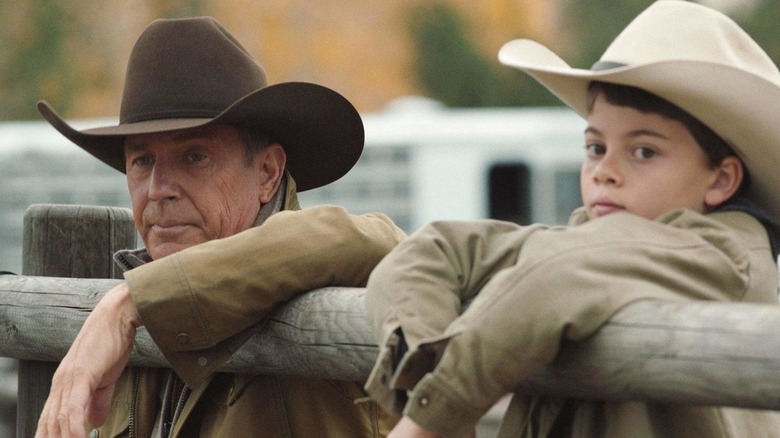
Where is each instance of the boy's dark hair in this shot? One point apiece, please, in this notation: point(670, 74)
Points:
point(711, 143)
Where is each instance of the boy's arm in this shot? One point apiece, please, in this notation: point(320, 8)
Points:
point(196, 303)
point(564, 284)
point(421, 287)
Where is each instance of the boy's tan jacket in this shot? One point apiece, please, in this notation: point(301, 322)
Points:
point(197, 328)
point(534, 286)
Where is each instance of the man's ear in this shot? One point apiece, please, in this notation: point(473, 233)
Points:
point(728, 179)
point(270, 161)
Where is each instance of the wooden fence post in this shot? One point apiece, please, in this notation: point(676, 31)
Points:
point(65, 241)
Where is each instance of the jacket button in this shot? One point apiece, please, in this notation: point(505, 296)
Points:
point(423, 401)
point(202, 361)
point(94, 433)
point(183, 339)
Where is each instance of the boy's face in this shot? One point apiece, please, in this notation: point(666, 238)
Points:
point(643, 163)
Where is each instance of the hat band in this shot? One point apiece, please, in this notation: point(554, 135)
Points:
point(606, 65)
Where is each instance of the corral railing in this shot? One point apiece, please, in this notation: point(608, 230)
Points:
point(681, 352)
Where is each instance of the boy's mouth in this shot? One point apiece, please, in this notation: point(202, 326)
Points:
point(604, 207)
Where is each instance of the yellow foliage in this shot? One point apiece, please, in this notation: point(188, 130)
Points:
point(360, 48)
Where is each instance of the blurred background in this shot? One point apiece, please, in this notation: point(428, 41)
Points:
point(423, 73)
point(73, 54)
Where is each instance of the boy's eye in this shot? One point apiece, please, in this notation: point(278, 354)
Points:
point(595, 149)
point(644, 153)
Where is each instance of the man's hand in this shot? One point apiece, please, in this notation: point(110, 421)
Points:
point(84, 381)
point(408, 428)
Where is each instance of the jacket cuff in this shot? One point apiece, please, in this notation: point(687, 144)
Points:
point(162, 295)
point(411, 388)
point(378, 385)
point(434, 407)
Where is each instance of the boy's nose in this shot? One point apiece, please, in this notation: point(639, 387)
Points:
point(607, 171)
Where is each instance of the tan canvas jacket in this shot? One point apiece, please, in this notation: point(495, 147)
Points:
point(196, 304)
point(534, 286)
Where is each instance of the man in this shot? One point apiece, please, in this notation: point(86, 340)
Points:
point(211, 153)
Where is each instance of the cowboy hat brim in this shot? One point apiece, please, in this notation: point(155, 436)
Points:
point(736, 104)
point(320, 131)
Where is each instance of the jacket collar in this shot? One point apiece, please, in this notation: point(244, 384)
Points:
point(740, 203)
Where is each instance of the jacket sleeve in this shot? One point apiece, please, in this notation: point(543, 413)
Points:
point(196, 303)
point(562, 284)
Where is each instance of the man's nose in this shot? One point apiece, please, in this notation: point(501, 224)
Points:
point(162, 183)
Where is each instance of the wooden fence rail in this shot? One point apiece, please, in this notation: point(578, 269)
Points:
point(680, 352)
point(691, 352)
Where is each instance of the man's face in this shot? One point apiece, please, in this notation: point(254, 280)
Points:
point(643, 163)
point(191, 186)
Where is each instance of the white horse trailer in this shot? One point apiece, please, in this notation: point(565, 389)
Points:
point(425, 162)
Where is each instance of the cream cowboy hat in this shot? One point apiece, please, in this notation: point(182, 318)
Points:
point(694, 57)
point(186, 73)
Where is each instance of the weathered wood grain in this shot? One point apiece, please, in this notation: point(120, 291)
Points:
point(64, 241)
point(682, 352)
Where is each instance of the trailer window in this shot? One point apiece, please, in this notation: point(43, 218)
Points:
point(509, 193)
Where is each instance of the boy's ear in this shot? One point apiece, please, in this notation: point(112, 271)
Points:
point(728, 179)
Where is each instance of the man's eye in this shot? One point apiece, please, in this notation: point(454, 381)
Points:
point(143, 160)
point(195, 157)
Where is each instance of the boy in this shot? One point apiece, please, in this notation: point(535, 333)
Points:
point(676, 186)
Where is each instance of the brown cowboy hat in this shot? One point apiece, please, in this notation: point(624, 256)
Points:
point(186, 73)
point(694, 57)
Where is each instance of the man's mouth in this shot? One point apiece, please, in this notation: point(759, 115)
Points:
point(168, 227)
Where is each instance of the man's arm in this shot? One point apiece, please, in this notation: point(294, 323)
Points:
point(84, 381)
point(196, 304)
point(226, 286)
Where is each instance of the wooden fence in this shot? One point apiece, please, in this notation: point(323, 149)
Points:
point(685, 352)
